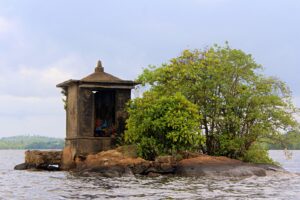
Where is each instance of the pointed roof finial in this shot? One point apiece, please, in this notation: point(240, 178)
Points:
point(99, 67)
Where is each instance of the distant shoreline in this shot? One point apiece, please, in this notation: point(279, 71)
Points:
point(24, 142)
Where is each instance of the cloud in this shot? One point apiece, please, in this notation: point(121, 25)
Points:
point(47, 125)
point(49, 76)
point(6, 25)
point(21, 107)
point(30, 103)
point(211, 2)
point(31, 115)
point(10, 33)
point(32, 81)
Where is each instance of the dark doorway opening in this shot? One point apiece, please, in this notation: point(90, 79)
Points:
point(104, 113)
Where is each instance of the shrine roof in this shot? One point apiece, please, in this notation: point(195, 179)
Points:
point(98, 78)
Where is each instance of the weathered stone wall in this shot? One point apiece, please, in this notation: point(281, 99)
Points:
point(72, 111)
point(85, 113)
point(90, 144)
point(68, 157)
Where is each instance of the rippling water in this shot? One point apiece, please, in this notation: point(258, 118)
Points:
point(64, 185)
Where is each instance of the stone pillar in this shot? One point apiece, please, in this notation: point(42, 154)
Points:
point(72, 111)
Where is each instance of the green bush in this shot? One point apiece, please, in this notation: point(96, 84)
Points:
point(230, 146)
point(257, 154)
point(149, 148)
point(163, 125)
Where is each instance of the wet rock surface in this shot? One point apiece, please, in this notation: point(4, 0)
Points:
point(21, 166)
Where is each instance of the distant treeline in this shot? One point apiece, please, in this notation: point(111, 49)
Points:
point(31, 142)
point(291, 141)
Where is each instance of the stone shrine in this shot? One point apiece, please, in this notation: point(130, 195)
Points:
point(95, 108)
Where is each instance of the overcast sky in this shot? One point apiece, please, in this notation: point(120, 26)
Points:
point(43, 43)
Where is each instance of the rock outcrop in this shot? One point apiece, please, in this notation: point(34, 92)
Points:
point(117, 162)
point(43, 160)
point(217, 166)
point(123, 161)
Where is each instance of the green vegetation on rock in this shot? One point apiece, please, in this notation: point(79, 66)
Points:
point(237, 106)
point(163, 125)
point(31, 142)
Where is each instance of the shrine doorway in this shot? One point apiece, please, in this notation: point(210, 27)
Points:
point(104, 113)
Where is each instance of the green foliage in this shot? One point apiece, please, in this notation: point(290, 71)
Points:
point(149, 147)
point(230, 146)
point(31, 142)
point(257, 154)
point(290, 140)
point(56, 144)
point(162, 124)
point(238, 104)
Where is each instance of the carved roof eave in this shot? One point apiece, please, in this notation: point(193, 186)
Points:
point(122, 84)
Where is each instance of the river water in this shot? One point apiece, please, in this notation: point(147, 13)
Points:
point(65, 185)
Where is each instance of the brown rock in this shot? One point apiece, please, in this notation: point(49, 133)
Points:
point(43, 157)
point(153, 174)
point(21, 166)
point(217, 166)
point(209, 160)
point(165, 159)
point(46, 160)
point(162, 165)
point(123, 161)
point(187, 154)
point(114, 162)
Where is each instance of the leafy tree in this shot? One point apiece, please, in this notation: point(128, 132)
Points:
point(163, 124)
point(238, 104)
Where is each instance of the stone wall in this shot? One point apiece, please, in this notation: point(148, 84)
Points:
point(72, 111)
point(86, 113)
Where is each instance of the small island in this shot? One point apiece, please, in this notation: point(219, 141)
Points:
point(206, 112)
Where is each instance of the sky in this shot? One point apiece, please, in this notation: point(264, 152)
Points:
point(43, 43)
